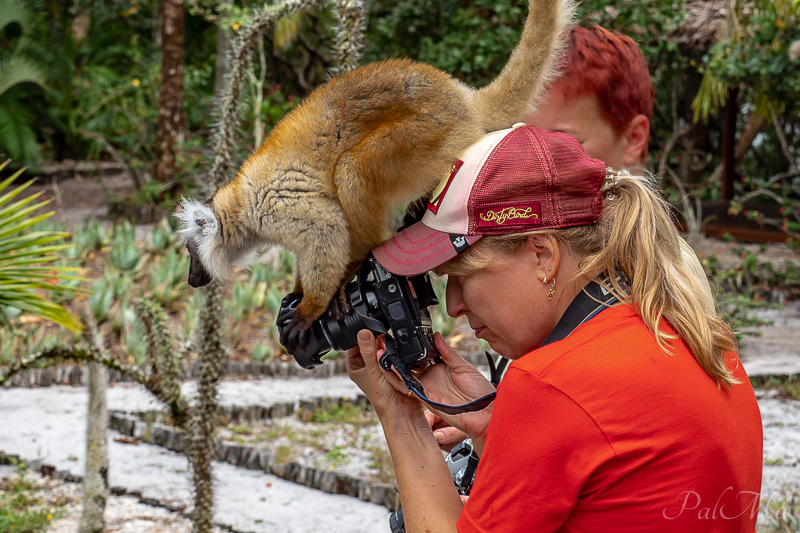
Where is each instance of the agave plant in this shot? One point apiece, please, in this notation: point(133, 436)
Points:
point(27, 258)
point(133, 335)
point(102, 299)
point(125, 255)
point(167, 277)
point(263, 351)
point(163, 237)
point(91, 237)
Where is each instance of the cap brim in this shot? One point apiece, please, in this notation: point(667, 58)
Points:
point(418, 249)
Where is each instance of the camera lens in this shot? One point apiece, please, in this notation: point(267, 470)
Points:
point(317, 344)
point(343, 334)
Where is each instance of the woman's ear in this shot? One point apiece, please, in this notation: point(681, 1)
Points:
point(545, 255)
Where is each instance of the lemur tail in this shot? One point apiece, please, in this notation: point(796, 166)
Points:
point(532, 64)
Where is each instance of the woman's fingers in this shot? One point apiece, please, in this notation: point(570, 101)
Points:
point(447, 437)
point(371, 351)
point(451, 357)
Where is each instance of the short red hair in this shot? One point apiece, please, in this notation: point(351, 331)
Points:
point(609, 66)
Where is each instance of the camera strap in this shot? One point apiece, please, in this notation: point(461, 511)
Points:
point(586, 305)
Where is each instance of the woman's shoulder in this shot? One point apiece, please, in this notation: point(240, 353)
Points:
point(614, 330)
point(611, 351)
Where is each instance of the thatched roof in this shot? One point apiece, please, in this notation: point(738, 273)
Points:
point(704, 21)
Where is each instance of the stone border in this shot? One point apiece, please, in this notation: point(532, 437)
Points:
point(48, 470)
point(252, 413)
point(78, 375)
point(148, 430)
point(765, 379)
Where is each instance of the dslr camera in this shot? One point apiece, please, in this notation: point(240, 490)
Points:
point(381, 302)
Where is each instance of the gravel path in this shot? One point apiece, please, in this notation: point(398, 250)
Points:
point(132, 397)
point(49, 424)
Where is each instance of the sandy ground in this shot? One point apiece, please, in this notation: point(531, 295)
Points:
point(777, 351)
point(49, 424)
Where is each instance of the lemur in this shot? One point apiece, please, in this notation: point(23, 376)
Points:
point(323, 184)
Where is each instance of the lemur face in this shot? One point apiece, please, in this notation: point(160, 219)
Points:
point(198, 275)
point(198, 230)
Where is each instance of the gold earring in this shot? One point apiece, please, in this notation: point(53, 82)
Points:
point(552, 291)
point(545, 276)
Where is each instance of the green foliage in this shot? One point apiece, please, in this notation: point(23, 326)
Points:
point(133, 336)
point(346, 413)
point(26, 259)
point(167, 282)
point(17, 341)
point(761, 59)
point(20, 64)
point(746, 286)
point(125, 255)
point(191, 315)
point(101, 299)
point(91, 237)
point(263, 352)
point(21, 505)
point(784, 515)
point(472, 42)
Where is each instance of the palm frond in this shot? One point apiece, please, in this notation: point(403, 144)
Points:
point(710, 96)
point(26, 271)
point(16, 11)
point(16, 135)
point(19, 69)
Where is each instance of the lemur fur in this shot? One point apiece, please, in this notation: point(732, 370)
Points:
point(324, 182)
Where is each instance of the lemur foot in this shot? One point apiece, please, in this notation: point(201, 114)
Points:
point(339, 305)
point(295, 334)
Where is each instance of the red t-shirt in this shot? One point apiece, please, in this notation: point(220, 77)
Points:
point(604, 432)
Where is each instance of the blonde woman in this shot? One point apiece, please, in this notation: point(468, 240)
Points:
point(625, 407)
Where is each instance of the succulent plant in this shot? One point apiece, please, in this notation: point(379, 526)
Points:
point(163, 237)
point(167, 277)
point(125, 255)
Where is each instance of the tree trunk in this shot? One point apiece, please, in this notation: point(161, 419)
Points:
point(221, 62)
point(95, 482)
point(753, 126)
point(729, 145)
point(170, 99)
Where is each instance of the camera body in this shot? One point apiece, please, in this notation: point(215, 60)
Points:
point(381, 302)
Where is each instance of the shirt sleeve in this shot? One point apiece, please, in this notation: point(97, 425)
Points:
point(543, 454)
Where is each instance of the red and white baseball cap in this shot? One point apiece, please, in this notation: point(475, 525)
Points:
point(510, 181)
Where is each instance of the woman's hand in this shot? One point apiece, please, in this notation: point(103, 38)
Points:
point(456, 382)
point(446, 435)
point(385, 390)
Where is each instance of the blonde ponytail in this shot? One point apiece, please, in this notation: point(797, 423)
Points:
point(635, 252)
point(641, 257)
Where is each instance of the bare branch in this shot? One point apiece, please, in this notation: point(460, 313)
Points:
point(782, 138)
point(118, 158)
point(662, 165)
point(48, 357)
point(760, 192)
